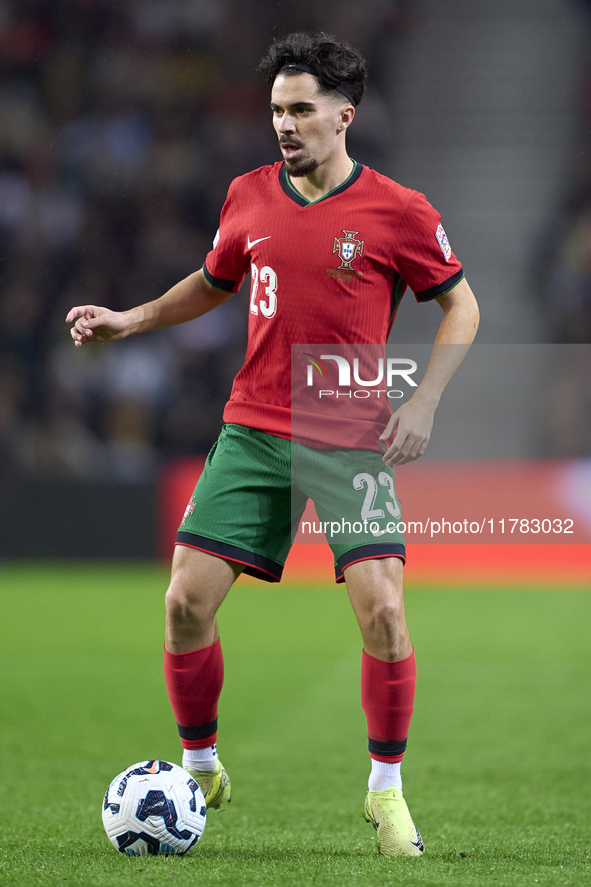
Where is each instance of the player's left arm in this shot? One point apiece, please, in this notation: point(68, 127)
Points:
point(412, 423)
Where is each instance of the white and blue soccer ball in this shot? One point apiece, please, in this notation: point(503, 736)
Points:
point(154, 807)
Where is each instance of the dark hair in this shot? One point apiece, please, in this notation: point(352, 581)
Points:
point(336, 64)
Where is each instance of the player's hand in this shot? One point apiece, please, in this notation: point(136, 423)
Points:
point(411, 427)
point(96, 325)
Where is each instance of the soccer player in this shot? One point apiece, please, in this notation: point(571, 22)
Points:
point(289, 225)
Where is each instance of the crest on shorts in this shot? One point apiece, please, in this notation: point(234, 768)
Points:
point(188, 511)
point(348, 248)
point(443, 242)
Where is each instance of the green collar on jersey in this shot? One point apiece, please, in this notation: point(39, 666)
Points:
point(298, 198)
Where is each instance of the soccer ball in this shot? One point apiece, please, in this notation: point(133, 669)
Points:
point(154, 807)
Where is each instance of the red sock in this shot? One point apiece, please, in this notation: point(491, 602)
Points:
point(387, 698)
point(194, 682)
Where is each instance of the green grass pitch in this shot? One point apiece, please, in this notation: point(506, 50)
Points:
point(496, 773)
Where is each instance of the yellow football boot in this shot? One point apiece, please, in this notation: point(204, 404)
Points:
point(215, 785)
point(397, 833)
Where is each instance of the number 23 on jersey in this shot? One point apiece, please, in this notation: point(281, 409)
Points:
point(267, 303)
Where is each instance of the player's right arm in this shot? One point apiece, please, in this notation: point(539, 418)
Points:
point(188, 299)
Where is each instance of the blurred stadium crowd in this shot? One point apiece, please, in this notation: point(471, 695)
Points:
point(564, 268)
point(121, 126)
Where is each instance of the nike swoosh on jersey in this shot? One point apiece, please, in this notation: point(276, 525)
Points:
point(251, 243)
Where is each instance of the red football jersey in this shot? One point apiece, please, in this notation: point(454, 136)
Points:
point(328, 272)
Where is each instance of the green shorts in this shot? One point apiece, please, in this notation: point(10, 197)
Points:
point(249, 500)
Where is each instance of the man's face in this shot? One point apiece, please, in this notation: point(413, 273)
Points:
point(307, 123)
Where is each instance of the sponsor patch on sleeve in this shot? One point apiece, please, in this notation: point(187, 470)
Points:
point(443, 242)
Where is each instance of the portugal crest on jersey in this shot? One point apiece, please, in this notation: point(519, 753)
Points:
point(348, 248)
point(188, 510)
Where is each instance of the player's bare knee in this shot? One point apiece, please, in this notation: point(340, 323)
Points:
point(388, 616)
point(185, 605)
point(385, 624)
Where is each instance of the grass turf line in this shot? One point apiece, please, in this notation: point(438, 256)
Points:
point(498, 751)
